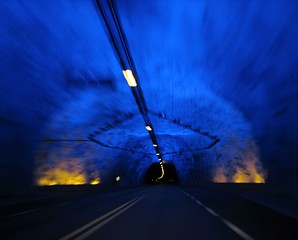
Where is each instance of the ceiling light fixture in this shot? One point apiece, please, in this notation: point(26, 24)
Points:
point(129, 78)
point(162, 173)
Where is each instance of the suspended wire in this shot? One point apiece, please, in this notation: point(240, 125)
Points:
point(184, 100)
point(118, 38)
point(172, 80)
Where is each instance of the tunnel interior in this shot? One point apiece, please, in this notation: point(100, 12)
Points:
point(153, 173)
point(219, 79)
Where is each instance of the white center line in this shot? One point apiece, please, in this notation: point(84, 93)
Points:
point(86, 230)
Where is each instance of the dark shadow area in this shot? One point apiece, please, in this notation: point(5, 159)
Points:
point(154, 172)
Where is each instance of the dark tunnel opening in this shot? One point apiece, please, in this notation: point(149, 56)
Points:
point(154, 172)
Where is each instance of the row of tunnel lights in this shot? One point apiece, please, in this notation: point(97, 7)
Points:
point(132, 83)
point(111, 20)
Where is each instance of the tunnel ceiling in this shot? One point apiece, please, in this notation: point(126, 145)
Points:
point(227, 68)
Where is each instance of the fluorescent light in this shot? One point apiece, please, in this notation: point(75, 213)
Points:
point(162, 173)
point(154, 145)
point(129, 78)
point(148, 128)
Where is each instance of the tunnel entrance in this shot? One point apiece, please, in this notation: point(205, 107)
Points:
point(154, 171)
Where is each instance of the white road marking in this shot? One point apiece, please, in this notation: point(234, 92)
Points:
point(211, 211)
point(61, 204)
point(198, 202)
point(237, 230)
point(226, 222)
point(32, 210)
point(96, 224)
point(21, 213)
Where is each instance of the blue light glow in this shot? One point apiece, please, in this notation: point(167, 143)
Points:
point(227, 68)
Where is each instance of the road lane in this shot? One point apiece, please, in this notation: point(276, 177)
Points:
point(86, 230)
point(56, 221)
point(165, 213)
point(232, 226)
point(156, 212)
point(256, 220)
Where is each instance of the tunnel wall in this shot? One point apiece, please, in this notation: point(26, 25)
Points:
point(263, 84)
point(245, 53)
point(43, 66)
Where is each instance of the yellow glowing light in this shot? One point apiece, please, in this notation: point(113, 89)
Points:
point(62, 174)
point(148, 128)
point(157, 154)
point(162, 173)
point(154, 145)
point(249, 173)
point(95, 181)
point(117, 178)
point(129, 78)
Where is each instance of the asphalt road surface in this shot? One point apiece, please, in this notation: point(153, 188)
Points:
point(153, 213)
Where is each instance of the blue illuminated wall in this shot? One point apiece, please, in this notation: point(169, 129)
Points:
point(227, 67)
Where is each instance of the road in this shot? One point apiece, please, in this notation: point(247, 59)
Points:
point(153, 212)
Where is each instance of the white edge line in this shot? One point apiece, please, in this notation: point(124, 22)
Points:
point(21, 213)
point(211, 211)
point(32, 210)
point(226, 222)
point(237, 230)
point(61, 204)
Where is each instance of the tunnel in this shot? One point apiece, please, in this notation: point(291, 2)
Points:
point(148, 119)
point(153, 173)
point(114, 90)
